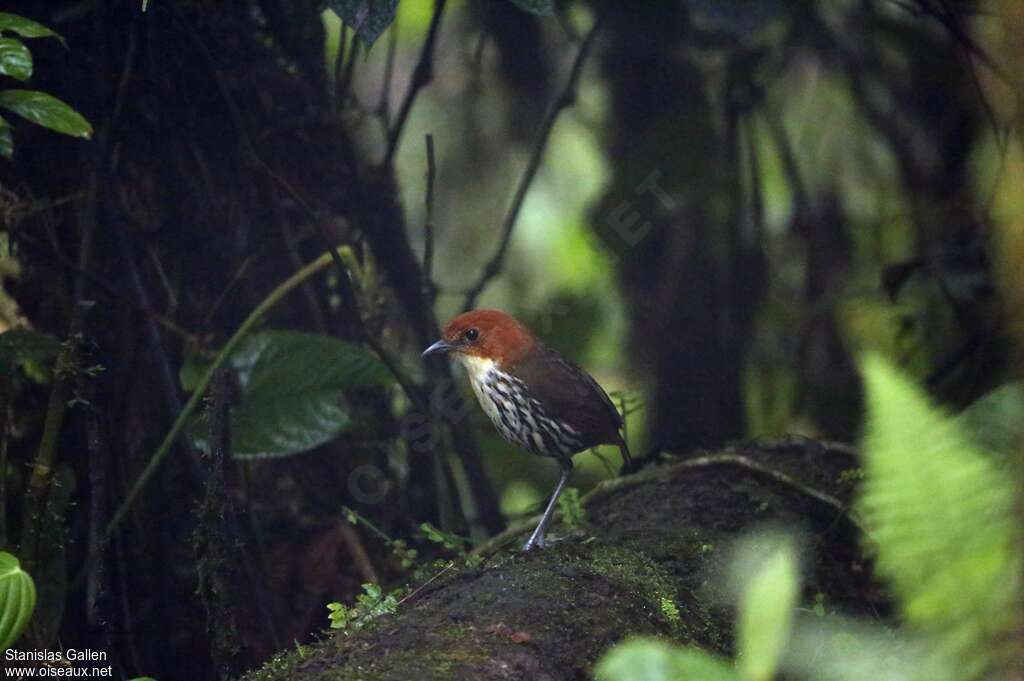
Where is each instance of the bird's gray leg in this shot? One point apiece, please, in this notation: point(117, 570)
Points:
point(537, 538)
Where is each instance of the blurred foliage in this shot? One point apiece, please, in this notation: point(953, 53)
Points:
point(940, 516)
point(767, 589)
point(940, 519)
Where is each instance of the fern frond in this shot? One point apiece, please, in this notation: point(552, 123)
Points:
point(939, 515)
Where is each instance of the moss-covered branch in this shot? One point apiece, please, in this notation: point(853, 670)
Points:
point(646, 561)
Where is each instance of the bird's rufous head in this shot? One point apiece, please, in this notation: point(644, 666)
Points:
point(487, 334)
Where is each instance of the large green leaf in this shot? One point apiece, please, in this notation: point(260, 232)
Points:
point(17, 600)
point(32, 351)
point(939, 515)
point(540, 7)
point(650, 659)
point(47, 111)
point(368, 18)
point(293, 387)
point(26, 28)
point(765, 613)
point(15, 59)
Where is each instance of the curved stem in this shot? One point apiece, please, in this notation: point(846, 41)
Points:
point(275, 296)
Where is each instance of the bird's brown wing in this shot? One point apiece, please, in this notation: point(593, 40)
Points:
point(570, 394)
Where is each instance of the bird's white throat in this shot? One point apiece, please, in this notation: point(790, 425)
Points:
point(480, 370)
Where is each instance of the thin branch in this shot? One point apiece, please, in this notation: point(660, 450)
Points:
point(754, 169)
point(427, 583)
point(422, 74)
point(339, 60)
point(358, 552)
point(565, 99)
point(429, 287)
point(384, 102)
point(349, 76)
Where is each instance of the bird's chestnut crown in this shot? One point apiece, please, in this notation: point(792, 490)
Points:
point(489, 334)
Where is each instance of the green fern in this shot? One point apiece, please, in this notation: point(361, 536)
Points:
point(939, 516)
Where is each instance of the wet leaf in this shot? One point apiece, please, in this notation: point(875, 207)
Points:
point(293, 387)
point(47, 111)
point(766, 610)
point(15, 59)
point(649, 659)
point(17, 599)
point(26, 28)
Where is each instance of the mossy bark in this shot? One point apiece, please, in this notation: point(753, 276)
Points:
point(649, 560)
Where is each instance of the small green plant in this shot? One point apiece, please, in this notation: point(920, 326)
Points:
point(570, 507)
point(669, 609)
point(450, 541)
point(453, 542)
point(38, 107)
point(370, 604)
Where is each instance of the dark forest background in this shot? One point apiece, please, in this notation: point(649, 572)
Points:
point(713, 206)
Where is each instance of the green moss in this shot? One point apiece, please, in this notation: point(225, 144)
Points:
point(669, 610)
point(628, 564)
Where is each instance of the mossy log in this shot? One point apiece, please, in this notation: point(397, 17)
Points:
point(648, 560)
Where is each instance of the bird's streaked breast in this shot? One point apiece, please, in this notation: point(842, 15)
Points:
point(518, 417)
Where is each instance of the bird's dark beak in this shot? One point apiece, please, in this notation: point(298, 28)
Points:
point(439, 346)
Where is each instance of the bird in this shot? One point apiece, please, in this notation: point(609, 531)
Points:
point(537, 399)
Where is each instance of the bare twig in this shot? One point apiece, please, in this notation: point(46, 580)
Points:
point(383, 109)
point(339, 60)
point(422, 74)
point(358, 552)
point(427, 583)
point(429, 287)
point(349, 75)
point(565, 99)
point(754, 170)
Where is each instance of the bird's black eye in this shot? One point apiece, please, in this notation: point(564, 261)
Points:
point(471, 335)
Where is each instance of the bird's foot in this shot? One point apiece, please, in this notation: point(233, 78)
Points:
point(534, 542)
point(545, 542)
